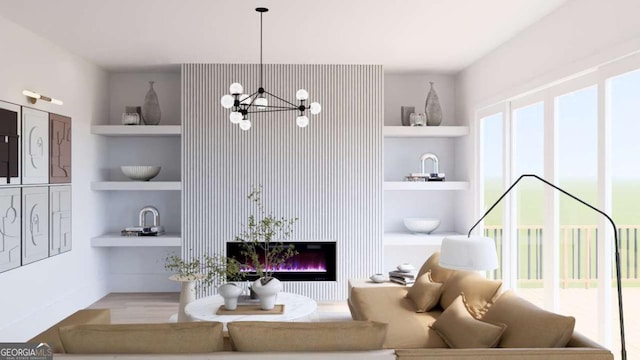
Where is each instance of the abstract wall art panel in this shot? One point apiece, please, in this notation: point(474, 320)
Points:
point(35, 224)
point(60, 219)
point(10, 215)
point(9, 143)
point(35, 146)
point(60, 149)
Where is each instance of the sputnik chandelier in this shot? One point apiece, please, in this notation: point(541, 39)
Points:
point(242, 104)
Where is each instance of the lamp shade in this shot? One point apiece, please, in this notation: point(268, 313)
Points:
point(472, 253)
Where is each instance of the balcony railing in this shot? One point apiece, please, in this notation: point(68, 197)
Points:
point(578, 254)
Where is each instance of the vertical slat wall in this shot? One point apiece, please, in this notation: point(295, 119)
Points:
point(329, 174)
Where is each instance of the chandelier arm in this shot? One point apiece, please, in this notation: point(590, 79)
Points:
point(255, 96)
point(266, 111)
point(281, 99)
point(281, 107)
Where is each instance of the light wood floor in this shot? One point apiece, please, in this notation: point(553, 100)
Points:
point(128, 308)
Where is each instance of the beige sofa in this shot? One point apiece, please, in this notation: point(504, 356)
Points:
point(88, 334)
point(528, 332)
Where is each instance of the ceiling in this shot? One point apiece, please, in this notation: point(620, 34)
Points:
point(403, 35)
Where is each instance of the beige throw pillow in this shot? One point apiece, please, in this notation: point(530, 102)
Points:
point(438, 273)
point(425, 293)
point(261, 336)
point(529, 326)
point(195, 337)
point(460, 330)
point(479, 292)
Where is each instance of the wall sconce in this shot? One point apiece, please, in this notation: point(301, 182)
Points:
point(33, 97)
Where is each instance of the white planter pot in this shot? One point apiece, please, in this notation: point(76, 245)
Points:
point(267, 293)
point(230, 293)
point(187, 294)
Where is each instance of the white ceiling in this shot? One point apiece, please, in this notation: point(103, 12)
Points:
point(403, 35)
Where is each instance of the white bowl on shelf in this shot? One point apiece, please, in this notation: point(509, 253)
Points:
point(140, 172)
point(421, 225)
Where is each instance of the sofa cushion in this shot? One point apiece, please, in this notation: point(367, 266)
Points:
point(196, 337)
point(51, 336)
point(390, 305)
point(460, 330)
point(438, 273)
point(480, 293)
point(425, 293)
point(529, 326)
point(261, 336)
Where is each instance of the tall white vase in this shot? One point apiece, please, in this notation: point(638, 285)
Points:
point(267, 293)
point(187, 294)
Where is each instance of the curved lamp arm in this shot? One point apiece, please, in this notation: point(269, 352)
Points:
point(615, 237)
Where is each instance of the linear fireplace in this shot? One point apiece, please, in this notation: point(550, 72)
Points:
point(315, 261)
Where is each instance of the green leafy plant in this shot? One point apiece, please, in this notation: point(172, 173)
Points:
point(263, 238)
point(210, 269)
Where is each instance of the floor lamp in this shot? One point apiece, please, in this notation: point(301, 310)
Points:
point(478, 253)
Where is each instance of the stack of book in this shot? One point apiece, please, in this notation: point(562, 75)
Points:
point(404, 278)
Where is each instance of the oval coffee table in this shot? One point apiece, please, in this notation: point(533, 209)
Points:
point(296, 308)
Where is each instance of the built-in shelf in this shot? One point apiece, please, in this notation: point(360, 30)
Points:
point(426, 185)
point(115, 240)
point(136, 130)
point(409, 239)
point(136, 185)
point(425, 131)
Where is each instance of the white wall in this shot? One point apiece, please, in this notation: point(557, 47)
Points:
point(39, 294)
point(579, 35)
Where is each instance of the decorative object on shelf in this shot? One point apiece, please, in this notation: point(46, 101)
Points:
point(478, 253)
point(151, 107)
point(264, 249)
point(434, 175)
point(405, 114)
point(417, 119)
point(432, 107)
point(60, 149)
point(209, 269)
point(405, 268)
point(377, 278)
point(34, 97)
point(143, 229)
point(421, 225)
point(130, 118)
point(140, 172)
point(242, 104)
point(230, 293)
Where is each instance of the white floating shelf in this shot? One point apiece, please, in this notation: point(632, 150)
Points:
point(136, 130)
point(425, 131)
point(115, 240)
point(426, 185)
point(136, 185)
point(406, 239)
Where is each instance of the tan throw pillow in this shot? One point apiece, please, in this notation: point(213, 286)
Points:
point(460, 330)
point(425, 293)
point(196, 337)
point(529, 326)
point(262, 336)
point(479, 292)
point(438, 273)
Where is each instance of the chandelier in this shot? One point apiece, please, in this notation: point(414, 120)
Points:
point(243, 104)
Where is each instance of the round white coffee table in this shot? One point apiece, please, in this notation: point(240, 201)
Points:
point(296, 308)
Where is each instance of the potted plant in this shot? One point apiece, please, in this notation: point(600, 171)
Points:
point(264, 250)
point(209, 270)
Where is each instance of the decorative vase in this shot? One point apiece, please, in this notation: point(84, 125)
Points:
point(418, 119)
point(432, 108)
point(151, 107)
point(130, 119)
point(267, 292)
point(187, 294)
point(230, 293)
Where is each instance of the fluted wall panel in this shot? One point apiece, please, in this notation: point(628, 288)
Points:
point(328, 174)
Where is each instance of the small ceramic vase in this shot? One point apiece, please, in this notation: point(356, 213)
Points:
point(377, 278)
point(406, 267)
point(267, 293)
point(230, 293)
